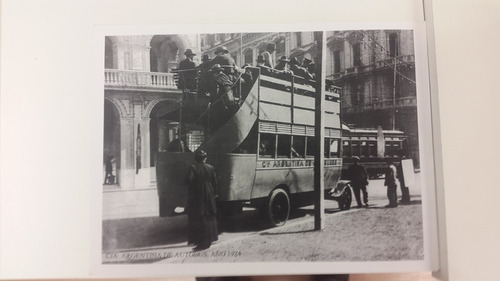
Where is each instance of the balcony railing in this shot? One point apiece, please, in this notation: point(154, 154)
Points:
point(381, 105)
point(139, 79)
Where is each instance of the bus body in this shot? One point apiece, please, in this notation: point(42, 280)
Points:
point(262, 150)
point(373, 147)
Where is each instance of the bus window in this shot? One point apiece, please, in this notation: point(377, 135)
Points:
point(298, 147)
point(267, 145)
point(333, 148)
point(391, 148)
point(363, 147)
point(372, 149)
point(284, 146)
point(347, 149)
point(355, 148)
point(311, 146)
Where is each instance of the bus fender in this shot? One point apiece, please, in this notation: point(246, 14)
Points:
point(339, 189)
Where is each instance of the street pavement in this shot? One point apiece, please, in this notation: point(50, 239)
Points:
point(132, 230)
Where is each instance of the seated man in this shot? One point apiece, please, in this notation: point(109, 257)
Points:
point(261, 63)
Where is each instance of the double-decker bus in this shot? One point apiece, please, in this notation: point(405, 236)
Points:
point(262, 146)
point(374, 147)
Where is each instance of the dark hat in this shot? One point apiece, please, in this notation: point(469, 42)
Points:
point(294, 61)
point(260, 58)
point(355, 158)
point(205, 58)
point(189, 52)
point(221, 49)
point(200, 155)
point(217, 67)
point(283, 58)
point(306, 61)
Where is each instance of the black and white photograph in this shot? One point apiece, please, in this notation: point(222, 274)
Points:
point(302, 146)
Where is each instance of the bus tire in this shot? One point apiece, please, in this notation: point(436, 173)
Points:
point(278, 207)
point(345, 199)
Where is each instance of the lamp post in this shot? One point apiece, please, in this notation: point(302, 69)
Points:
point(319, 132)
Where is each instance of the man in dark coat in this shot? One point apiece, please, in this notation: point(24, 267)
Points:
point(207, 83)
point(188, 72)
point(282, 64)
point(223, 59)
point(109, 179)
point(261, 63)
point(225, 72)
point(201, 205)
point(390, 181)
point(298, 70)
point(359, 180)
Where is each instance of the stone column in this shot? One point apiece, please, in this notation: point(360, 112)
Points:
point(127, 165)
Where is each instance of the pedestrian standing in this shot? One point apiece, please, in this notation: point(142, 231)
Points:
point(202, 210)
point(390, 182)
point(109, 179)
point(358, 176)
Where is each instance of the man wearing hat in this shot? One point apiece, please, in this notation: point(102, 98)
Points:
point(297, 69)
point(282, 64)
point(187, 67)
point(223, 58)
point(358, 176)
point(207, 83)
point(391, 176)
point(306, 62)
point(261, 63)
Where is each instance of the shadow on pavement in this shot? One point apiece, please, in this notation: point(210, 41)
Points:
point(123, 234)
point(286, 232)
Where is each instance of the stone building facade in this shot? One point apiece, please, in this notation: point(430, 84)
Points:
point(138, 92)
point(376, 69)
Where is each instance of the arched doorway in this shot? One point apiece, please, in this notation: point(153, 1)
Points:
point(165, 53)
point(111, 141)
point(163, 126)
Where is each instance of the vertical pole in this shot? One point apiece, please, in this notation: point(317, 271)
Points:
point(394, 97)
point(319, 132)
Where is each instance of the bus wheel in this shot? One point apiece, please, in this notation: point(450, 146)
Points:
point(278, 207)
point(345, 199)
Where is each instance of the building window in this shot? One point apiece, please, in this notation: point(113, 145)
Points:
point(248, 57)
point(393, 45)
point(336, 61)
point(356, 54)
point(280, 45)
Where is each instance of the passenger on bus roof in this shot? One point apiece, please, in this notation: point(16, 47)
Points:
point(187, 76)
point(207, 83)
point(306, 62)
point(283, 64)
point(311, 70)
point(223, 59)
point(268, 59)
point(298, 70)
point(261, 63)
